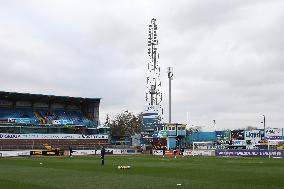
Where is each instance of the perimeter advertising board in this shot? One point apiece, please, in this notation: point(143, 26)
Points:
point(253, 137)
point(51, 136)
point(273, 133)
point(239, 143)
point(158, 152)
point(46, 152)
point(203, 152)
point(187, 152)
point(223, 137)
point(237, 135)
point(250, 153)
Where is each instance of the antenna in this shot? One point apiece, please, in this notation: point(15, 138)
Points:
point(153, 84)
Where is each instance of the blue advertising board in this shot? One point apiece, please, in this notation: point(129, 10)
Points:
point(201, 137)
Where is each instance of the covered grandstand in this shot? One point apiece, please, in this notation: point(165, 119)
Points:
point(29, 120)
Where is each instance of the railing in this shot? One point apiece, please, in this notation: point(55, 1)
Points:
point(64, 147)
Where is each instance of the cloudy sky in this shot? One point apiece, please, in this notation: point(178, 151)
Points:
point(227, 55)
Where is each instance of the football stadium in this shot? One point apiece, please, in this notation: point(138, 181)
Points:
point(51, 141)
point(62, 60)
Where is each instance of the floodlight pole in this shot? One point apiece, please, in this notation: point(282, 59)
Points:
point(170, 76)
point(214, 122)
point(264, 125)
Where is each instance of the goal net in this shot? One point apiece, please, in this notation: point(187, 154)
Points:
point(276, 148)
point(203, 148)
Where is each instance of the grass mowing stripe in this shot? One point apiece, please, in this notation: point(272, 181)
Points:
point(8, 184)
point(146, 172)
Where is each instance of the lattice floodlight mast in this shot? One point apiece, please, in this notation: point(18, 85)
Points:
point(153, 92)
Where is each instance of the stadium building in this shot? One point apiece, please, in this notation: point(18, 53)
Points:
point(32, 121)
point(162, 135)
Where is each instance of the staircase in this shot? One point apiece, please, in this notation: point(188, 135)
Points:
point(39, 116)
point(48, 147)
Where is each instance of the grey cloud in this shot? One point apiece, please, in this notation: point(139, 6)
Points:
point(227, 55)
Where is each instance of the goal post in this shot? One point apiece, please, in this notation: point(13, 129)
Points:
point(275, 148)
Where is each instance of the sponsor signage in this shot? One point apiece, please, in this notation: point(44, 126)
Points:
point(36, 153)
point(187, 152)
point(249, 153)
point(169, 153)
point(62, 122)
point(163, 134)
point(237, 135)
point(158, 152)
point(14, 153)
point(273, 134)
point(51, 136)
point(115, 151)
point(253, 137)
point(84, 152)
point(203, 152)
point(155, 134)
point(46, 153)
point(56, 122)
point(239, 143)
point(19, 120)
point(131, 151)
point(223, 137)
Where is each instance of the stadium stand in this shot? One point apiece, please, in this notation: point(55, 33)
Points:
point(47, 116)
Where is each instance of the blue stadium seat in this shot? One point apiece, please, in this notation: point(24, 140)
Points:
point(75, 117)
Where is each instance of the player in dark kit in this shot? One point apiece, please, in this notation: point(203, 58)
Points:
point(103, 151)
point(70, 151)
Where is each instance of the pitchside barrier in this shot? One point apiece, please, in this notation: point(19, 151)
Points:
point(250, 153)
point(15, 153)
point(84, 152)
point(203, 148)
point(203, 153)
point(186, 152)
point(158, 152)
point(108, 151)
point(166, 153)
point(47, 152)
point(75, 152)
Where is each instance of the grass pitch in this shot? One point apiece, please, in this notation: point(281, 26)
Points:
point(145, 172)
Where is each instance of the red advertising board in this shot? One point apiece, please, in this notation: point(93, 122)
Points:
point(169, 153)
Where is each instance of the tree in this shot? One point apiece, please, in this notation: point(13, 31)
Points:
point(194, 129)
point(107, 122)
point(126, 124)
point(247, 128)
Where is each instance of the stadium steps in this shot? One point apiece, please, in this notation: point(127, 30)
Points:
point(39, 116)
point(48, 147)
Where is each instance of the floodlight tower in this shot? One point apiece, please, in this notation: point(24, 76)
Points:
point(153, 92)
point(171, 77)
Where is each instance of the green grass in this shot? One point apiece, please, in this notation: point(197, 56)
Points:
point(145, 172)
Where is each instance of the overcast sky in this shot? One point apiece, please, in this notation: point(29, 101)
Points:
point(227, 55)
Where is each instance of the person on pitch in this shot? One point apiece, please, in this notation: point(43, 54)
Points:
point(103, 151)
point(70, 151)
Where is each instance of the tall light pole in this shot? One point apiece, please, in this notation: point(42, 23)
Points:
point(214, 124)
point(170, 76)
point(264, 125)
